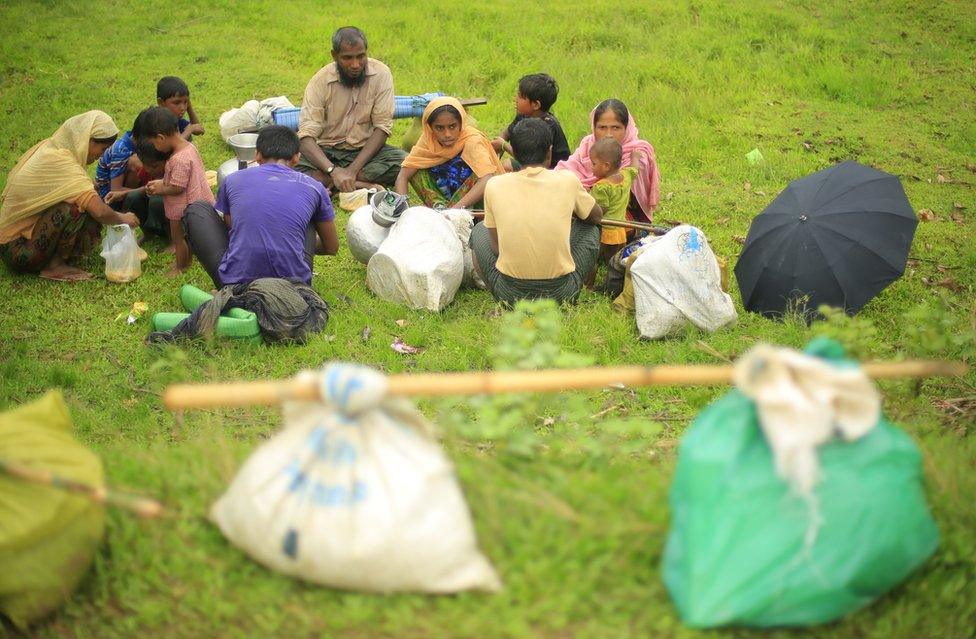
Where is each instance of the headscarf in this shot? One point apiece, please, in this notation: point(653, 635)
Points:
point(54, 169)
point(473, 145)
point(647, 185)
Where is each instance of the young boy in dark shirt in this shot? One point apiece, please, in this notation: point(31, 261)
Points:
point(174, 94)
point(536, 95)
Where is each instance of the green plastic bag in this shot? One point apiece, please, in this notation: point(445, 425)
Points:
point(736, 555)
point(48, 537)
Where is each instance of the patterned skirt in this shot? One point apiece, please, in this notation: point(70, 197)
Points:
point(62, 230)
point(445, 184)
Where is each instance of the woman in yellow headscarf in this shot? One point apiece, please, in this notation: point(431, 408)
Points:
point(49, 210)
point(452, 161)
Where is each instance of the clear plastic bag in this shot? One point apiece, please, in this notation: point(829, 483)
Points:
point(121, 253)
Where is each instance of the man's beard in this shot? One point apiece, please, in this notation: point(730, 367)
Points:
point(352, 81)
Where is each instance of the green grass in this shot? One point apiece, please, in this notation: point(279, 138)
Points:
point(576, 531)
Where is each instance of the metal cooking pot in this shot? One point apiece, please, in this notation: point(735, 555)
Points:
point(244, 145)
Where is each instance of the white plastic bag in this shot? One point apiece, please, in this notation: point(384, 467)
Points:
point(676, 281)
point(251, 115)
point(237, 120)
point(363, 234)
point(355, 493)
point(355, 199)
point(121, 253)
point(267, 107)
point(420, 264)
point(463, 222)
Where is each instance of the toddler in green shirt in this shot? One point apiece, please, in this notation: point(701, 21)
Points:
point(612, 191)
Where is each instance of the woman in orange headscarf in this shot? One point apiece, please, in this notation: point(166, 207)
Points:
point(49, 210)
point(452, 161)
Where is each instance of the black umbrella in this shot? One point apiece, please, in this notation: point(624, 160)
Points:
point(836, 237)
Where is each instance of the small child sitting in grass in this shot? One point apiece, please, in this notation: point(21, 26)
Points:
point(133, 197)
point(118, 168)
point(172, 93)
point(612, 191)
point(536, 95)
point(184, 179)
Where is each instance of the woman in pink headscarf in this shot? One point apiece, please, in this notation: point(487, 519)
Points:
point(611, 118)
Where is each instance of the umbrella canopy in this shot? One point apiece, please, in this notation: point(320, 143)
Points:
point(836, 237)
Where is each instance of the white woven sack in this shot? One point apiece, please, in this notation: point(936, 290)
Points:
point(420, 264)
point(676, 281)
point(363, 235)
point(463, 222)
point(355, 494)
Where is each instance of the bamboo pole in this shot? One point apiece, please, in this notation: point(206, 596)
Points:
point(306, 388)
point(142, 506)
point(627, 224)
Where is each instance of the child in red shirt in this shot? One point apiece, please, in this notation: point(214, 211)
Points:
point(184, 180)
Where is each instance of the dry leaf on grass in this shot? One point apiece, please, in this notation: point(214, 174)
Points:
point(747, 186)
point(942, 179)
point(741, 239)
point(957, 217)
point(926, 215)
point(945, 282)
point(722, 220)
point(367, 331)
point(401, 322)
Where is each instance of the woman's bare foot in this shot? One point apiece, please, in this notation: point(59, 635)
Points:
point(171, 249)
point(59, 271)
point(175, 271)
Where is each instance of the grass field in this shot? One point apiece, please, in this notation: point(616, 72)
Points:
point(576, 529)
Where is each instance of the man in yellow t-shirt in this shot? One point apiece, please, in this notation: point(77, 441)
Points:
point(541, 234)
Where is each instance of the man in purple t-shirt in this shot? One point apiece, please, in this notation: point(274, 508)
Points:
point(271, 215)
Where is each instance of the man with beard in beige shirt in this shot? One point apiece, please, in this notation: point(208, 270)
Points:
point(347, 115)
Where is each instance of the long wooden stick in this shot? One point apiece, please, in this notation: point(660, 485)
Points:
point(627, 224)
point(182, 396)
point(142, 506)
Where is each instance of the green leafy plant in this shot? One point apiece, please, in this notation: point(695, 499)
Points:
point(933, 330)
point(522, 423)
point(528, 339)
point(858, 334)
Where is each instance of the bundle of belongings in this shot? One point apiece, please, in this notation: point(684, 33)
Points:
point(269, 308)
point(415, 256)
point(669, 282)
point(251, 116)
point(355, 493)
point(254, 114)
point(795, 502)
point(48, 536)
